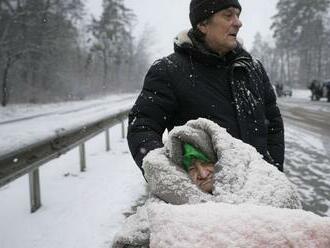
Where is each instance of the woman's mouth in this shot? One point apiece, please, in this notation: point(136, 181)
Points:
point(206, 181)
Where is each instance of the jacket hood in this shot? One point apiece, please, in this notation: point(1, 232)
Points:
point(186, 43)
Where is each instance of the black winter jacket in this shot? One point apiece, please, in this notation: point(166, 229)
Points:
point(233, 91)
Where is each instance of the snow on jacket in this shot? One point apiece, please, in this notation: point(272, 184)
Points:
point(241, 176)
point(233, 91)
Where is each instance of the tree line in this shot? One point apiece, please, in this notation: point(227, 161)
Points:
point(49, 52)
point(301, 48)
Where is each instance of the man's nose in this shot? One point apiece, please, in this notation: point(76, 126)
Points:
point(238, 22)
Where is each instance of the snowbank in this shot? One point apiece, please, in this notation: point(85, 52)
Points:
point(301, 94)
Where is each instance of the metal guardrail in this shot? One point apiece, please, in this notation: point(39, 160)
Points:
point(28, 159)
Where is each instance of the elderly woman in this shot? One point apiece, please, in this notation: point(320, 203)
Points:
point(199, 168)
point(201, 162)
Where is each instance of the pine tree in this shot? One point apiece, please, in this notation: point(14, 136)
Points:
point(301, 34)
point(113, 37)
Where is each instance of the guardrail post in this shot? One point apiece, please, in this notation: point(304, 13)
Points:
point(34, 182)
point(123, 129)
point(82, 155)
point(107, 140)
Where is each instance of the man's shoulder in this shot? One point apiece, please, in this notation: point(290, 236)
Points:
point(170, 64)
point(257, 62)
point(171, 59)
point(241, 53)
point(254, 62)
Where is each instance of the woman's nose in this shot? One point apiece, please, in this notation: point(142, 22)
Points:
point(202, 172)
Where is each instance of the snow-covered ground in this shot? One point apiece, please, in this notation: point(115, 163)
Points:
point(19, 111)
point(307, 149)
point(300, 96)
point(21, 125)
point(86, 209)
point(79, 209)
point(307, 166)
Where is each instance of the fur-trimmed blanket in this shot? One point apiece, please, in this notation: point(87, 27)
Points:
point(241, 176)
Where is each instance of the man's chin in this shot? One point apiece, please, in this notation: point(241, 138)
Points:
point(233, 44)
point(230, 46)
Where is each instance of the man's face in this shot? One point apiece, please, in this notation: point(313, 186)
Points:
point(202, 175)
point(221, 30)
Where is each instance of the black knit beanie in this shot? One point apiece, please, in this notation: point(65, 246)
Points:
point(200, 10)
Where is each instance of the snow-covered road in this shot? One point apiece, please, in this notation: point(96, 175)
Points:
point(21, 125)
point(86, 209)
point(308, 149)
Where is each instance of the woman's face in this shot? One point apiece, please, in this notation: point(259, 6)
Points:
point(201, 174)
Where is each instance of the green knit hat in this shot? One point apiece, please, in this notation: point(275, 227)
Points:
point(190, 153)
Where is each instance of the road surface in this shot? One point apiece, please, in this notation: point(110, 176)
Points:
point(308, 151)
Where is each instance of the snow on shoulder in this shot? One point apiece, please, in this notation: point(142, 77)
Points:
point(226, 225)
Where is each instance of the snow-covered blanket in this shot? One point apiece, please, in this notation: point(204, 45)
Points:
point(224, 225)
point(241, 176)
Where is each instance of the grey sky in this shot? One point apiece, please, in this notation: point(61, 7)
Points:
point(169, 17)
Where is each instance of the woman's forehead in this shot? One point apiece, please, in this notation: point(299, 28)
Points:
point(201, 163)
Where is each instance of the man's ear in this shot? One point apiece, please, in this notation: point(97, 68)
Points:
point(202, 26)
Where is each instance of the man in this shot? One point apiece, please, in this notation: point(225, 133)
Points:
point(328, 91)
point(313, 88)
point(209, 75)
